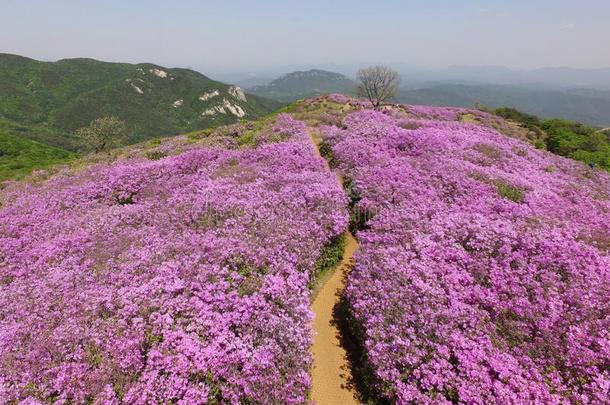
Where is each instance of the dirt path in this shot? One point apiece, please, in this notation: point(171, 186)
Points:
point(331, 374)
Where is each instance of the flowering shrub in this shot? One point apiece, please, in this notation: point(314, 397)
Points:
point(339, 98)
point(181, 279)
point(436, 113)
point(353, 102)
point(483, 276)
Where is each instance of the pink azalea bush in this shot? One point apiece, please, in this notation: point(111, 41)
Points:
point(353, 102)
point(436, 113)
point(179, 280)
point(483, 275)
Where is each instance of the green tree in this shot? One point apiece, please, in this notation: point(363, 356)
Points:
point(102, 134)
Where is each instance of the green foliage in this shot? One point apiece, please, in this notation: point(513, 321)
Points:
point(509, 191)
point(330, 256)
point(18, 156)
point(528, 120)
point(578, 141)
point(539, 144)
point(102, 134)
point(563, 137)
point(247, 139)
point(358, 217)
point(47, 102)
point(93, 355)
point(155, 154)
point(327, 153)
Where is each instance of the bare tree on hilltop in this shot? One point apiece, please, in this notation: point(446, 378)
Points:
point(378, 84)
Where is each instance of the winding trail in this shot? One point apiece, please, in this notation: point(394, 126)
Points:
point(332, 382)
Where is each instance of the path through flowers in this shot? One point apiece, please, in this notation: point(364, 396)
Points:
point(331, 376)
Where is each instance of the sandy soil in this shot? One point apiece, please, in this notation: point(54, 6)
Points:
point(331, 374)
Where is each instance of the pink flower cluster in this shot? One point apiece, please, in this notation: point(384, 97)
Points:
point(484, 273)
point(352, 101)
point(436, 113)
point(180, 280)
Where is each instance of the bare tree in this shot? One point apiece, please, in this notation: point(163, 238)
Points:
point(378, 84)
point(102, 134)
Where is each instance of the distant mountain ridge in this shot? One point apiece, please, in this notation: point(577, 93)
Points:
point(551, 76)
point(554, 77)
point(47, 101)
point(302, 84)
point(591, 107)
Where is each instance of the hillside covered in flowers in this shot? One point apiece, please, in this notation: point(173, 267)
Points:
point(483, 275)
point(178, 278)
point(180, 271)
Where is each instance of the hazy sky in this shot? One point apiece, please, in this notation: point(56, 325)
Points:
point(242, 34)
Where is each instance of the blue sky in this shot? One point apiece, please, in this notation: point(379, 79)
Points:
point(242, 34)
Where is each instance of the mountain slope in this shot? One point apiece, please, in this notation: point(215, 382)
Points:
point(177, 275)
point(49, 100)
point(133, 271)
point(19, 156)
point(587, 106)
point(297, 85)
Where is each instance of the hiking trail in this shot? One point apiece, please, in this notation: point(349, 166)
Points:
point(332, 382)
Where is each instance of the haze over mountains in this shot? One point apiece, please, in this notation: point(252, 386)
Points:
point(577, 94)
point(589, 107)
point(43, 103)
point(302, 84)
point(560, 77)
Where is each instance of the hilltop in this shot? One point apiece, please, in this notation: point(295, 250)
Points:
point(302, 84)
point(47, 101)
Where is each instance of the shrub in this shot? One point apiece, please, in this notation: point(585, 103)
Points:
point(330, 256)
point(528, 120)
point(327, 153)
point(156, 154)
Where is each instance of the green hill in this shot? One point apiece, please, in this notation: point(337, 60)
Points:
point(302, 84)
point(47, 101)
point(19, 156)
